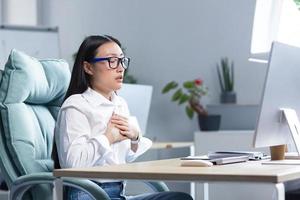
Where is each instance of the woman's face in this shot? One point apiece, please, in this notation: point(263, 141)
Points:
point(103, 77)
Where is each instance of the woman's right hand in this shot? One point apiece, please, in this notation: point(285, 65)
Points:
point(113, 134)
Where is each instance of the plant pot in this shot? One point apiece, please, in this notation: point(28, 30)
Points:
point(209, 123)
point(228, 97)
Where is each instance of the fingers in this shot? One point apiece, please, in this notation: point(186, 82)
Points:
point(122, 127)
point(119, 117)
point(119, 122)
point(113, 121)
point(128, 134)
point(122, 122)
point(125, 133)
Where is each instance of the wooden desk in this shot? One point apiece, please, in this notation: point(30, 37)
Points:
point(250, 172)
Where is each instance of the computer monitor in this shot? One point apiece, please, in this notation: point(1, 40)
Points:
point(277, 122)
point(138, 98)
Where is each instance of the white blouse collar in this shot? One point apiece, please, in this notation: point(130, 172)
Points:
point(97, 98)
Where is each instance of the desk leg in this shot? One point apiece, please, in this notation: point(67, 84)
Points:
point(193, 189)
point(193, 184)
point(205, 191)
point(58, 189)
point(279, 193)
point(192, 150)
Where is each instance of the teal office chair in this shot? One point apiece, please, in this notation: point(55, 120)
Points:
point(31, 93)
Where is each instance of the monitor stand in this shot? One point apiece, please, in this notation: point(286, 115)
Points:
point(278, 152)
point(294, 125)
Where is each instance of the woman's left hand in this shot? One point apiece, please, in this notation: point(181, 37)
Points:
point(125, 129)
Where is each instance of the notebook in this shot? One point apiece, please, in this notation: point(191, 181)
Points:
point(253, 155)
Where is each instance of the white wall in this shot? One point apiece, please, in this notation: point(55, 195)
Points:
point(1, 12)
point(169, 40)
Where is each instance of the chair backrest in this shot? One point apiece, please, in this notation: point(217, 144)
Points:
point(31, 93)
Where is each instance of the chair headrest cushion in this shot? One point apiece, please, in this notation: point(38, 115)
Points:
point(27, 79)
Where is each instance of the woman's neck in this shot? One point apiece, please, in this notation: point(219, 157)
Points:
point(104, 92)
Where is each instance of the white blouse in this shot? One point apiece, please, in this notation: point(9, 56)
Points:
point(80, 128)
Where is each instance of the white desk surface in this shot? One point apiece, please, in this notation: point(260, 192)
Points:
point(170, 169)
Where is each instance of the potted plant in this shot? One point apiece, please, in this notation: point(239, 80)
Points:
point(190, 94)
point(226, 80)
point(129, 78)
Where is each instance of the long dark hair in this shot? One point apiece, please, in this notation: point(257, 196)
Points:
point(80, 80)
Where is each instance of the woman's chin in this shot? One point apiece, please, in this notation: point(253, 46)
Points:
point(118, 86)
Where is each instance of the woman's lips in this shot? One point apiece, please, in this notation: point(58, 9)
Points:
point(119, 78)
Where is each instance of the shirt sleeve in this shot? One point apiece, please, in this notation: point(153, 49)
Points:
point(143, 145)
point(78, 148)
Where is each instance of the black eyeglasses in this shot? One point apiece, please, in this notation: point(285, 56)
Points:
point(113, 62)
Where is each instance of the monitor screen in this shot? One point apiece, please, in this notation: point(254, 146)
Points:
point(138, 98)
point(281, 90)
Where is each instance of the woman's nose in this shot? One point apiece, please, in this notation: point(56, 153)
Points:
point(120, 67)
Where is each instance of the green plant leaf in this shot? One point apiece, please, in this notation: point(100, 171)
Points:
point(232, 76)
point(227, 72)
point(171, 85)
point(189, 111)
point(220, 78)
point(188, 84)
point(177, 95)
point(184, 98)
point(129, 79)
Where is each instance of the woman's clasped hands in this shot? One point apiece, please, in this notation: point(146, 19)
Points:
point(119, 129)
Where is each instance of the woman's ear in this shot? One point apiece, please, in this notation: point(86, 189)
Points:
point(88, 68)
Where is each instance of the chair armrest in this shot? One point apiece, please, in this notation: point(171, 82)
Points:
point(24, 183)
point(88, 186)
point(157, 186)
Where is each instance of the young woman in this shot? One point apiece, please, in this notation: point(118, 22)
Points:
point(93, 126)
